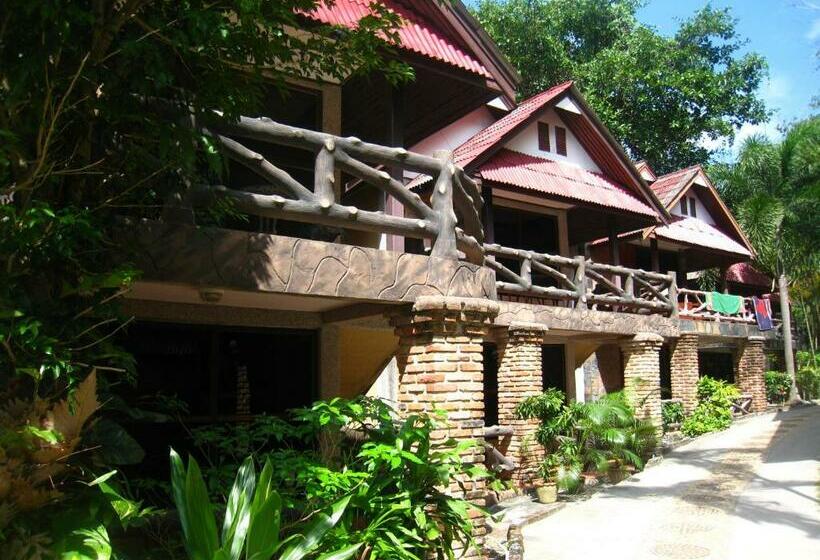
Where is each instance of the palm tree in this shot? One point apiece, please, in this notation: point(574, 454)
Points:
point(774, 189)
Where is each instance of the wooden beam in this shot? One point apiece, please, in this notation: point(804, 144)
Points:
point(656, 258)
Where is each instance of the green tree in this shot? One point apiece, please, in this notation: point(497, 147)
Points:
point(94, 97)
point(660, 96)
point(774, 190)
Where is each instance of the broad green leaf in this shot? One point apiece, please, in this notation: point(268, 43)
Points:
point(202, 535)
point(341, 554)
point(237, 512)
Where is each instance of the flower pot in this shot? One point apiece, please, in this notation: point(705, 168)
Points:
point(548, 493)
point(617, 474)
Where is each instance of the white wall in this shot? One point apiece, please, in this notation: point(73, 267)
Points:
point(527, 142)
point(702, 213)
point(455, 134)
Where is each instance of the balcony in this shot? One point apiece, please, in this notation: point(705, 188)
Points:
point(448, 258)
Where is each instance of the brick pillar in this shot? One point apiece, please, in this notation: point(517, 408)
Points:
point(750, 364)
point(642, 375)
point(441, 367)
point(685, 371)
point(519, 377)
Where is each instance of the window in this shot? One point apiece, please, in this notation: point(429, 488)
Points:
point(543, 137)
point(561, 140)
point(692, 207)
point(683, 209)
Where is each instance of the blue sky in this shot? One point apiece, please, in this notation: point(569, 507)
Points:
point(785, 32)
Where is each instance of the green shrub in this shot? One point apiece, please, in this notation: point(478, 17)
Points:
point(778, 384)
point(807, 377)
point(672, 413)
point(714, 410)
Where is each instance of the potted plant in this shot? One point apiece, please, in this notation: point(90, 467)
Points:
point(548, 492)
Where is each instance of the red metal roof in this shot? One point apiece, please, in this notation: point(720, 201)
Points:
point(489, 137)
point(693, 231)
point(415, 34)
point(561, 179)
point(745, 273)
point(667, 187)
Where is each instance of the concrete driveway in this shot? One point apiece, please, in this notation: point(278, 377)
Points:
point(748, 493)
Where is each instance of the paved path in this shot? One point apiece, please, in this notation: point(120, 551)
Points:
point(748, 493)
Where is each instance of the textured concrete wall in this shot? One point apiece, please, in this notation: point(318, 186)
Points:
point(642, 375)
point(685, 368)
point(750, 364)
point(519, 377)
point(273, 263)
point(440, 365)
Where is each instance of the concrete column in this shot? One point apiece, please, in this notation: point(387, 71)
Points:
point(519, 377)
point(441, 367)
point(685, 370)
point(750, 365)
point(642, 375)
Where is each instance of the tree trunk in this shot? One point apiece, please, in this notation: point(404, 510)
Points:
point(785, 311)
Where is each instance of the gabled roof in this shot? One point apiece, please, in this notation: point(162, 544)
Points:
point(562, 180)
point(694, 232)
point(444, 32)
point(644, 169)
point(671, 187)
point(745, 273)
point(584, 124)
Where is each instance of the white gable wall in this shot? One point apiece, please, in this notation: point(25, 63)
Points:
point(455, 134)
point(526, 142)
point(702, 213)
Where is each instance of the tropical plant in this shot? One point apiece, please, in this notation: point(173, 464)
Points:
point(252, 522)
point(808, 375)
point(671, 413)
point(642, 84)
point(714, 409)
point(395, 474)
point(773, 190)
point(778, 384)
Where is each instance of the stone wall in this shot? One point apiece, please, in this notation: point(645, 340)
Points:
point(603, 372)
point(440, 366)
point(642, 377)
point(750, 364)
point(684, 366)
point(519, 377)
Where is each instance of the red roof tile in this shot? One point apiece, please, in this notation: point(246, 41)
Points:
point(415, 34)
point(667, 187)
point(745, 273)
point(489, 137)
point(561, 179)
point(693, 231)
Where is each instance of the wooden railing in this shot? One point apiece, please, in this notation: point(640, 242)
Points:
point(581, 281)
point(693, 304)
point(453, 192)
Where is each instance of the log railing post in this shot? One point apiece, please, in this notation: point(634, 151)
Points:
point(581, 282)
point(323, 177)
point(444, 245)
point(673, 294)
point(526, 270)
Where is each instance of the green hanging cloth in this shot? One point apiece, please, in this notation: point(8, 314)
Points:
point(726, 304)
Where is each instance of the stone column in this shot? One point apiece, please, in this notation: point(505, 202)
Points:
point(684, 370)
point(441, 367)
point(519, 377)
point(750, 365)
point(642, 375)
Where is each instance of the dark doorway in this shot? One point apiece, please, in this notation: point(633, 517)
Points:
point(490, 352)
point(718, 365)
point(526, 230)
point(553, 367)
point(666, 372)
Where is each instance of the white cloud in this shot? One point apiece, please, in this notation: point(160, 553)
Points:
point(814, 31)
point(778, 88)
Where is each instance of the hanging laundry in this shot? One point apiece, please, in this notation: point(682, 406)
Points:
point(763, 313)
point(727, 304)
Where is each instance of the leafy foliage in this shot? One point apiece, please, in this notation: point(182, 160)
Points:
point(714, 409)
point(808, 375)
point(394, 474)
point(660, 96)
point(672, 413)
point(778, 384)
point(591, 435)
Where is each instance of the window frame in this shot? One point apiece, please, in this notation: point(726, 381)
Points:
point(544, 144)
point(561, 141)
